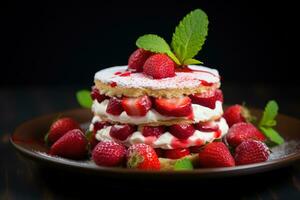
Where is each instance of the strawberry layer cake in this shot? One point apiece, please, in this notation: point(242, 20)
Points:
point(176, 113)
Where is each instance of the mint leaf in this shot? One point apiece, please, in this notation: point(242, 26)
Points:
point(272, 135)
point(191, 61)
point(270, 112)
point(84, 98)
point(183, 164)
point(156, 44)
point(190, 35)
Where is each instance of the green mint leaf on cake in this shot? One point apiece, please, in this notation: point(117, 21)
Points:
point(268, 121)
point(156, 44)
point(192, 61)
point(183, 164)
point(190, 35)
point(84, 98)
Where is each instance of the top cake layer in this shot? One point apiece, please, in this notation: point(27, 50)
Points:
point(117, 81)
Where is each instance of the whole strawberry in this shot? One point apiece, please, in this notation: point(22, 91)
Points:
point(243, 131)
point(137, 59)
point(216, 154)
point(159, 66)
point(71, 145)
point(251, 151)
point(108, 154)
point(237, 113)
point(60, 127)
point(142, 156)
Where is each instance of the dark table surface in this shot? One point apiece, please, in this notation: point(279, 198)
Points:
point(23, 179)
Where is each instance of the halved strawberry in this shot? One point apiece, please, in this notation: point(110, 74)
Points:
point(177, 107)
point(121, 132)
point(208, 98)
point(136, 106)
point(208, 126)
point(155, 131)
point(95, 94)
point(182, 131)
point(114, 106)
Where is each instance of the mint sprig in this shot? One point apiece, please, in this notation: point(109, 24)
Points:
point(156, 44)
point(84, 98)
point(183, 164)
point(189, 36)
point(187, 40)
point(268, 121)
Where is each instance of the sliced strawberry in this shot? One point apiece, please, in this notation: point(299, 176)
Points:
point(182, 131)
point(176, 107)
point(209, 126)
point(176, 153)
point(208, 98)
point(137, 106)
point(137, 59)
point(121, 132)
point(114, 106)
point(95, 94)
point(153, 131)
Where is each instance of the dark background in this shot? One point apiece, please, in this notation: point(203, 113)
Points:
point(54, 44)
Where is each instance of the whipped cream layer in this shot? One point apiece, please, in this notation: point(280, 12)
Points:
point(197, 76)
point(167, 140)
point(201, 114)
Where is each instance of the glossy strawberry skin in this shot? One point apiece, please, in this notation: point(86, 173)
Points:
point(216, 154)
point(208, 98)
point(61, 127)
point(71, 145)
point(142, 156)
point(176, 153)
point(233, 115)
point(137, 106)
point(182, 131)
point(109, 154)
point(251, 151)
point(177, 107)
point(241, 132)
point(137, 59)
point(159, 66)
point(114, 106)
point(121, 132)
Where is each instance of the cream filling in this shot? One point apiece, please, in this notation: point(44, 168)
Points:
point(167, 140)
point(201, 114)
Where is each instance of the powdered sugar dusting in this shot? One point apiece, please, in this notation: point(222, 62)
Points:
point(139, 80)
point(285, 149)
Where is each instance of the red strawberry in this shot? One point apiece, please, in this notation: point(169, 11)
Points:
point(97, 126)
point(237, 113)
point(71, 145)
point(114, 106)
point(108, 154)
point(95, 94)
point(159, 66)
point(137, 106)
point(176, 153)
point(243, 131)
point(137, 59)
point(209, 126)
point(177, 107)
point(251, 151)
point(121, 132)
point(60, 127)
point(208, 98)
point(216, 154)
point(153, 131)
point(182, 131)
point(142, 156)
